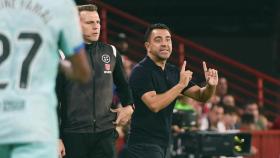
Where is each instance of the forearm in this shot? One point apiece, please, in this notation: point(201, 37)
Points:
point(161, 101)
point(207, 92)
point(76, 67)
point(67, 69)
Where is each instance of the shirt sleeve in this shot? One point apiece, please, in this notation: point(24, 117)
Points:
point(70, 37)
point(140, 81)
point(120, 80)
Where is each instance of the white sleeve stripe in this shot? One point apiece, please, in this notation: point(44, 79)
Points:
point(114, 50)
point(62, 56)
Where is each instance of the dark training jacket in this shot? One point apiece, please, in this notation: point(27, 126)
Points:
point(85, 108)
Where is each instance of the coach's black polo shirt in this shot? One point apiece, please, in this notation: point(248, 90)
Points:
point(147, 126)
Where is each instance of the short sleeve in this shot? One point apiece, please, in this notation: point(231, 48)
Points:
point(70, 37)
point(140, 81)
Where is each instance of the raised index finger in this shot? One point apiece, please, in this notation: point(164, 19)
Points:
point(184, 66)
point(204, 66)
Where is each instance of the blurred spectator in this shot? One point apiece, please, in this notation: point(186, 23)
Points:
point(184, 114)
point(213, 120)
point(228, 100)
point(222, 87)
point(195, 105)
point(122, 44)
point(230, 118)
point(247, 122)
point(127, 65)
point(214, 100)
point(260, 121)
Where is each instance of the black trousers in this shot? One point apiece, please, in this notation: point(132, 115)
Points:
point(90, 145)
point(145, 151)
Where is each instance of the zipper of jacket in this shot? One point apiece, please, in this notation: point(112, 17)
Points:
point(93, 88)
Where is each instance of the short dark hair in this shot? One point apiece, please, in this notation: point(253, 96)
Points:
point(216, 105)
point(231, 110)
point(247, 119)
point(87, 7)
point(155, 26)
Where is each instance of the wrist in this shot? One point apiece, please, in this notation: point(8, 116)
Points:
point(208, 85)
point(131, 106)
point(181, 86)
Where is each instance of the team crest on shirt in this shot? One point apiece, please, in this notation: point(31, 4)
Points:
point(106, 58)
point(107, 66)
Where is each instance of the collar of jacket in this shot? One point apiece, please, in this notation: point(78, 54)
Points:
point(90, 45)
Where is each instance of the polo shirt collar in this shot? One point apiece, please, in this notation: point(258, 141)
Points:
point(152, 64)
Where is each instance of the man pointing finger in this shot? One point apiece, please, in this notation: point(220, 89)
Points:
point(155, 86)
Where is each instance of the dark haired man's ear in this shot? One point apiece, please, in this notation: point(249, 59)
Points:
point(146, 45)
